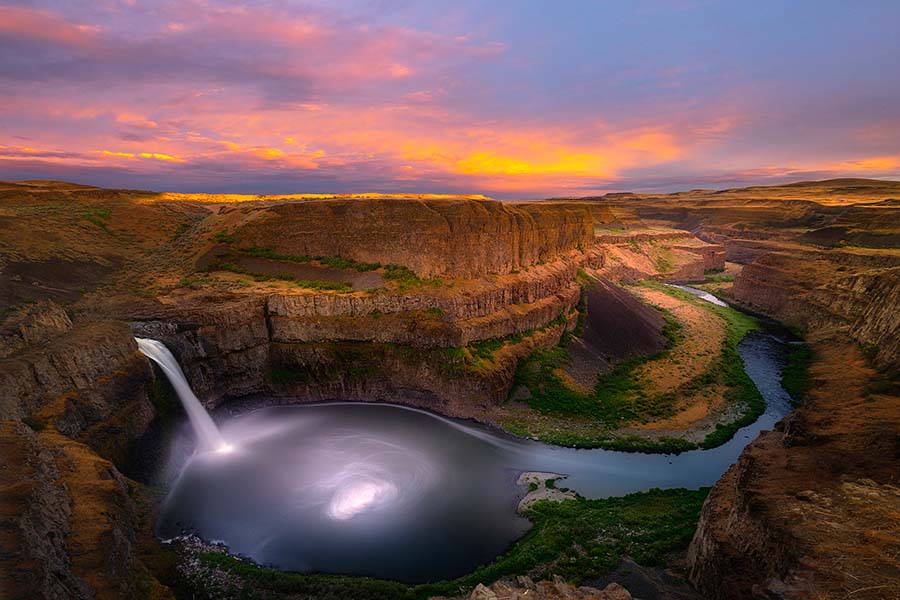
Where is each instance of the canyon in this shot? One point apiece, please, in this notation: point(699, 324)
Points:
point(438, 303)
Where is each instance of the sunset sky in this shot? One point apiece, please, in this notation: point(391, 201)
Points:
point(506, 98)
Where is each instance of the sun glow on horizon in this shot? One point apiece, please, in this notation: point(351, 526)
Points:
point(453, 101)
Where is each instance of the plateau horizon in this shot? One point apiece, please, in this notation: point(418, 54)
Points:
point(505, 98)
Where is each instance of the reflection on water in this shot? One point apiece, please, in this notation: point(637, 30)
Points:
point(699, 293)
point(393, 492)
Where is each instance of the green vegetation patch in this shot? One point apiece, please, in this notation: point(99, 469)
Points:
point(663, 261)
point(729, 369)
point(180, 230)
point(163, 396)
point(482, 355)
point(403, 277)
point(611, 402)
point(99, 217)
point(335, 262)
point(337, 286)
point(577, 539)
point(223, 237)
point(288, 376)
point(795, 377)
point(718, 276)
point(619, 397)
point(882, 382)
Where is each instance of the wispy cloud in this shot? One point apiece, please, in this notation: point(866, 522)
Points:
point(502, 99)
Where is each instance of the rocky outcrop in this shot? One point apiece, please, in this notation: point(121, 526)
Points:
point(809, 510)
point(616, 326)
point(67, 520)
point(713, 255)
point(32, 325)
point(651, 256)
point(435, 238)
point(795, 516)
point(81, 378)
point(290, 321)
point(870, 303)
point(524, 588)
point(441, 379)
point(225, 342)
point(459, 301)
point(855, 292)
point(221, 342)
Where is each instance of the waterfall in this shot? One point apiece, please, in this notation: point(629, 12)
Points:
point(206, 430)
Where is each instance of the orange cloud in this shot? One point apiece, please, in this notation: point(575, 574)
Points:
point(164, 157)
point(45, 26)
point(873, 164)
point(136, 121)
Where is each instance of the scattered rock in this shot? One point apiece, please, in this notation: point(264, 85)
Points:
point(542, 491)
point(523, 588)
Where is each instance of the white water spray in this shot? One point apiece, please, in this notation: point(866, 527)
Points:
point(204, 427)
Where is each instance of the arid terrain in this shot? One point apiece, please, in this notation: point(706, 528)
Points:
point(548, 319)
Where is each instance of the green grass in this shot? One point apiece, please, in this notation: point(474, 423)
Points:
point(180, 230)
point(729, 369)
point(404, 277)
point(481, 355)
point(189, 281)
point(663, 262)
point(577, 539)
point(99, 217)
point(337, 286)
point(795, 375)
point(619, 397)
point(713, 278)
point(336, 262)
point(609, 403)
point(223, 237)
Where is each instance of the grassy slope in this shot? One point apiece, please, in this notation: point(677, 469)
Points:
point(617, 397)
point(577, 539)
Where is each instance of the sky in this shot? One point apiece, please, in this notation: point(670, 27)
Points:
point(509, 98)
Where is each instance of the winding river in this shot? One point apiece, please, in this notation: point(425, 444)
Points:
point(400, 493)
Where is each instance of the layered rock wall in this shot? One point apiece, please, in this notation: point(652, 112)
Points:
point(804, 513)
point(435, 238)
point(68, 527)
point(224, 342)
point(822, 290)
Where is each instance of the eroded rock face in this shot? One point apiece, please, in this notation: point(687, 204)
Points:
point(523, 588)
point(856, 292)
point(809, 510)
point(68, 521)
point(32, 325)
point(446, 238)
point(78, 380)
point(227, 343)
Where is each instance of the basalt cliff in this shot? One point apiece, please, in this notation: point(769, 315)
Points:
point(810, 510)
